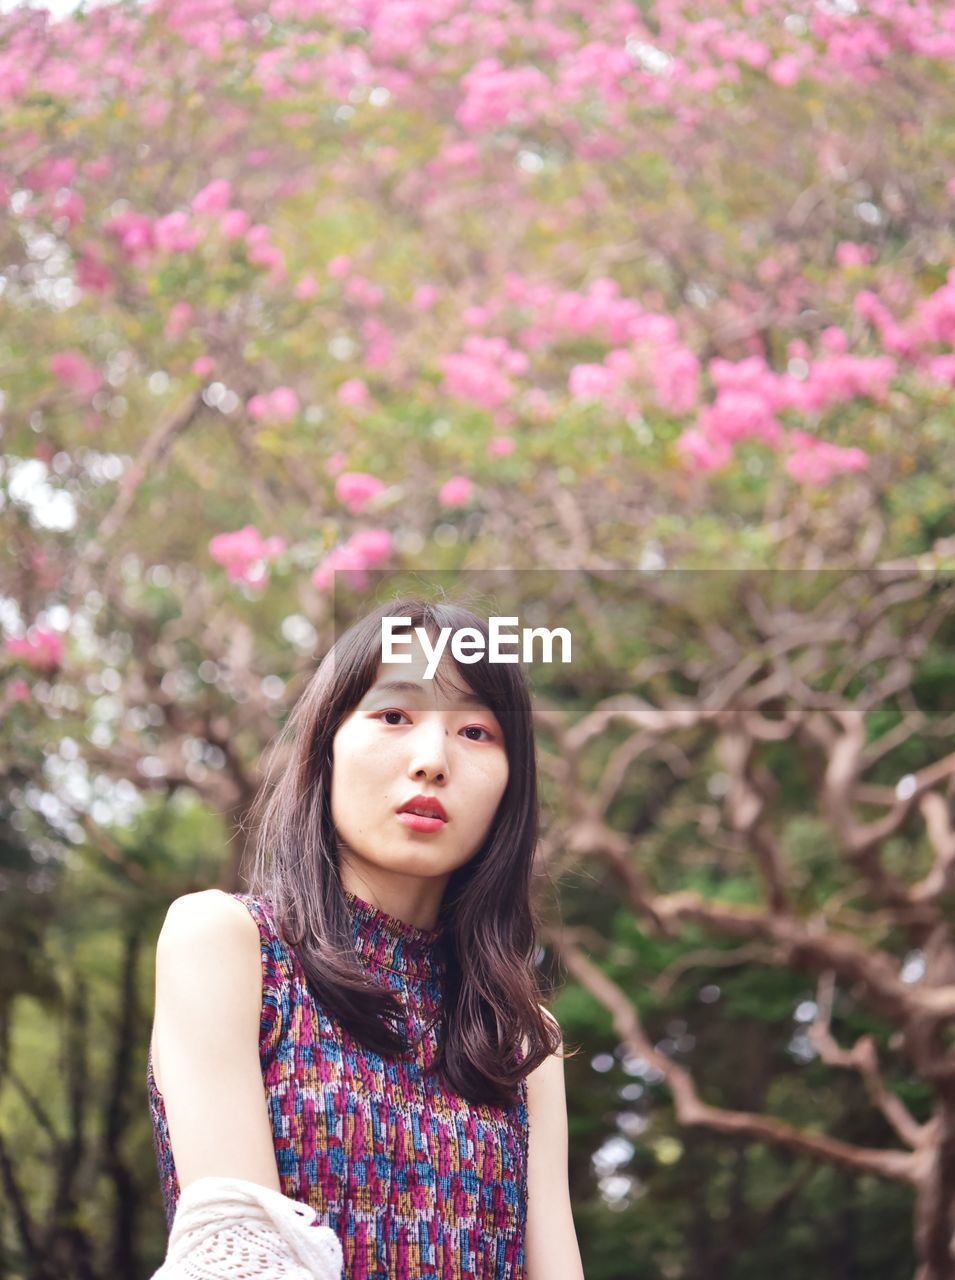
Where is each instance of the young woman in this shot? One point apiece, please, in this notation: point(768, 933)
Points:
point(361, 1032)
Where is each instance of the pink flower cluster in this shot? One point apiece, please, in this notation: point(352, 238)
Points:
point(245, 554)
point(176, 232)
point(178, 321)
point(455, 492)
point(15, 691)
point(815, 462)
point(749, 396)
point(892, 335)
point(934, 317)
point(494, 95)
point(481, 371)
point(932, 324)
point(134, 234)
point(379, 342)
point(849, 254)
point(646, 344)
point(50, 173)
point(279, 405)
point(182, 231)
point(367, 549)
point(39, 648)
point(263, 252)
point(363, 292)
point(355, 489)
point(355, 393)
point(591, 381)
point(74, 371)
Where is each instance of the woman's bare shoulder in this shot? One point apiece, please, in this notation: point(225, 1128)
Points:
point(193, 917)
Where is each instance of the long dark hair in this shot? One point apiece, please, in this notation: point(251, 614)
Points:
point(491, 1001)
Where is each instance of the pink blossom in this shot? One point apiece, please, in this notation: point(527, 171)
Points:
point(213, 198)
point(364, 292)
point(234, 223)
point(786, 70)
point(849, 254)
point(934, 319)
point(91, 272)
point(677, 379)
point(17, 690)
point(455, 492)
point(769, 269)
point(843, 377)
point(40, 648)
point(101, 167)
point(203, 366)
point(373, 545)
point(379, 342)
point(494, 95)
point(834, 339)
point(814, 462)
point(265, 255)
point(244, 554)
point(280, 405)
point(621, 361)
point(355, 489)
point(343, 559)
point(424, 297)
point(175, 234)
point(339, 266)
point(283, 404)
point(699, 453)
point(480, 371)
point(135, 233)
point(476, 317)
point(48, 174)
point(941, 368)
point(740, 414)
point(354, 392)
point(591, 381)
point(337, 462)
point(307, 287)
point(500, 446)
point(178, 321)
point(74, 370)
point(364, 550)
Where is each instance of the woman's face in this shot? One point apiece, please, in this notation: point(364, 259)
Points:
point(408, 737)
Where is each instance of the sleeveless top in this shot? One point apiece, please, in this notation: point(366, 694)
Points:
point(415, 1180)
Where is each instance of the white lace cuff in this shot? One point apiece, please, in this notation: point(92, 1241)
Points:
point(232, 1229)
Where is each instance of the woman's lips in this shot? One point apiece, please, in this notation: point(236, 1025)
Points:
point(418, 822)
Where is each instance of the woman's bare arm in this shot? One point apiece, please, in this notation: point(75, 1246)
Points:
point(206, 1040)
point(551, 1248)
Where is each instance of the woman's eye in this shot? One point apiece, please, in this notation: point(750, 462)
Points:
point(476, 728)
point(381, 714)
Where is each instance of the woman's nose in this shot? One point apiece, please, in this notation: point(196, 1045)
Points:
point(429, 754)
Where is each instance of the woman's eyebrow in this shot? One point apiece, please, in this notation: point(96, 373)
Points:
point(414, 688)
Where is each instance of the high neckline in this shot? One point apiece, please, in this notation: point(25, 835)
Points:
point(385, 942)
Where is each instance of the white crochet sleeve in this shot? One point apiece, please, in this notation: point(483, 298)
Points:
point(232, 1229)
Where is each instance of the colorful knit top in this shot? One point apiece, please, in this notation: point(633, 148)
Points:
point(415, 1180)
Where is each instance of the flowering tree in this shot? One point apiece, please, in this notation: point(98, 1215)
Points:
point(298, 290)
